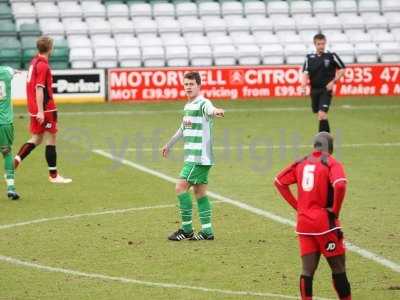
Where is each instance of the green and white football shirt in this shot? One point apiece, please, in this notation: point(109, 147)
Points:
point(6, 109)
point(197, 131)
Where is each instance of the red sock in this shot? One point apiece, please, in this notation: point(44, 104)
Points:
point(306, 283)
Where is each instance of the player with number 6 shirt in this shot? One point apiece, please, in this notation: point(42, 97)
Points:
point(321, 186)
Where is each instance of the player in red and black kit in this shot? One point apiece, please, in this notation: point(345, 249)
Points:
point(42, 110)
point(321, 187)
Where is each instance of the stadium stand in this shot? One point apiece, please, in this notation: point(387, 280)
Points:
point(154, 33)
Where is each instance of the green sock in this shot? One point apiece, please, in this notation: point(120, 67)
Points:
point(205, 209)
point(185, 205)
point(9, 169)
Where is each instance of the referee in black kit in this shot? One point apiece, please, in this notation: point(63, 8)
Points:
point(323, 68)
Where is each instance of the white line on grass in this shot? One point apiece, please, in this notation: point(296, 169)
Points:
point(107, 212)
point(18, 262)
point(362, 252)
point(248, 147)
point(229, 110)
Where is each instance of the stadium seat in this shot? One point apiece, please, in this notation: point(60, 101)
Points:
point(98, 27)
point(197, 40)
point(10, 57)
point(7, 28)
point(79, 41)
point(140, 10)
point(75, 27)
point(329, 23)
point(221, 40)
point(375, 22)
point(307, 36)
point(147, 41)
point(260, 24)
point(47, 10)
point(252, 8)
point(345, 52)
point(191, 25)
point(323, 7)
point(10, 42)
point(368, 6)
point(126, 41)
point(396, 33)
point(24, 11)
point(52, 27)
point(383, 37)
point(224, 55)
point(145, 26)
point(70, 9)
point(366, 52)
point(176, 41)
point(105, 57)
point(393, 20)
point(352, 22)
point(93, 9)
point(168, 26)
point(153, 57)
point(177, 56)
point(5, 12)
point(359, 37)
point(100, 41)
point(241, 38)
point(272, 54)
point(237, 24)
point(265, 38)
point(214, 24)
point(338, 37)
point(200, 55)
point(300, 8)
point(295, 53)
point(117, 10)
point(390, 6)
point(31, 29)
point(389, 52)
point(289, 37)
point(284, 23)
point(185, 9)
point(163, 10)
point(303, 24)
point(229, 8)
point(209, 9)
point(129, 57)
point(248, 55)
point(122, 26)
point(346, 7)
point(278, 8)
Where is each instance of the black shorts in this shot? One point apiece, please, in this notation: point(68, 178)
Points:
point(320, 100)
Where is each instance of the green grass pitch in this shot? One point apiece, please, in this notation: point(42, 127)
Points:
point(125, 254)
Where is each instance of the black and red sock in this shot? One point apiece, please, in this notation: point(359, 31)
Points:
point(306, 283)
point(342, 286)
point(51, 158)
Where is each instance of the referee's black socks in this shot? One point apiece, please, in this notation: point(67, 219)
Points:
point(324, 126)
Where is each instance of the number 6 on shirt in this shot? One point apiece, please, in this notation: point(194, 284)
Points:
point(308, 178)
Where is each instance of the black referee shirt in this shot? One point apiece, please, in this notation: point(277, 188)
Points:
point(322, 68)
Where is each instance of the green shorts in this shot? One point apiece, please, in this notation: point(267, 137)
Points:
point(6, 135)
point(195, 174)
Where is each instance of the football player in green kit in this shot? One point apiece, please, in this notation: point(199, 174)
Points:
point(7, 129)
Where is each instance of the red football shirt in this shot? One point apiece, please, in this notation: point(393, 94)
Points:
point(39, 74)
point(315, 177)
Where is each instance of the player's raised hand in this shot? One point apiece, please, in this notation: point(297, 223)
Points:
point(219, 112)
point(165, 151)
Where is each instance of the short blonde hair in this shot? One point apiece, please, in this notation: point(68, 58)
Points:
point(44, 44)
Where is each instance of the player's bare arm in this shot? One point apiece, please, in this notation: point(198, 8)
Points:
point(39, 101)
point(173, 140)
point(339, 74)
point(303, 82)
point(219, 112)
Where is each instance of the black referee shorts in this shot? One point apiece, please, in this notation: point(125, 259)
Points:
point(320, 100)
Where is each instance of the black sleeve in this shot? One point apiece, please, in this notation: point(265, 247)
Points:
point(338, 62)
point(305, 65)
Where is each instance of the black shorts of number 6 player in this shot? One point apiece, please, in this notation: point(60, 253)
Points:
point(323, 69)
